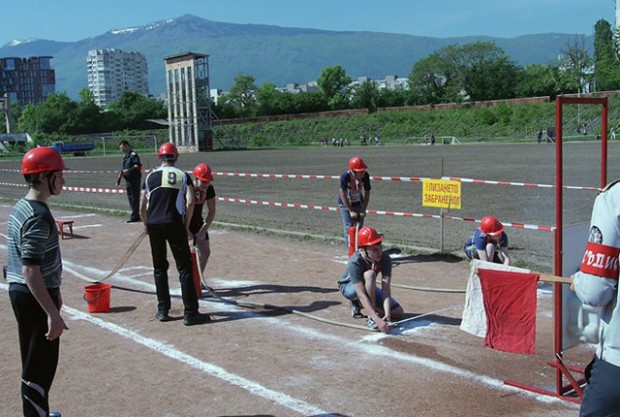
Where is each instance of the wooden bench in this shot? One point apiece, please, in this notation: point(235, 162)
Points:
point(61, 227)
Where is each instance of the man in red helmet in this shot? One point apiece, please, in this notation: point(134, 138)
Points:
point(354, 195)
point(487, 241)
point(166, 209)
point(358, 283)
point(204, 195)
point(34, 275)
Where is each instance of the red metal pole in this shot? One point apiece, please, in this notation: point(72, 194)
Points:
point(557, 268)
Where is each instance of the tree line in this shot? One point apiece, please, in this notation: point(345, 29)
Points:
point(454, 74)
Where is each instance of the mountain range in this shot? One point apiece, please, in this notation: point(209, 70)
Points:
point(270, 53)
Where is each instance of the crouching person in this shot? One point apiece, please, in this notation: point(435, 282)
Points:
point(358, 283)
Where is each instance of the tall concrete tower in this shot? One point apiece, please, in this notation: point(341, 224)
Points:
point(189, 102)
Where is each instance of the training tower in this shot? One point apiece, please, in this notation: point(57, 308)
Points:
point(189, 102)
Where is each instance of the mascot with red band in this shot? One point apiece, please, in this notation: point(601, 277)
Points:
point(596, 285)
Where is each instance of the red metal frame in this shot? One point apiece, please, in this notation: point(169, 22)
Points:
point(566, 392)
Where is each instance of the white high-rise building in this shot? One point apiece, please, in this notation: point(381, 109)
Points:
point(112, 71)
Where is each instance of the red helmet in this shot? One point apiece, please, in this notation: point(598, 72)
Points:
point(42, 159)
point(357, 164)
point(168, 151)
point(367, 236)
point(491, 226)
point(203, 172)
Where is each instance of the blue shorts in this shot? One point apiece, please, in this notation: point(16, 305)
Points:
point(349, 293)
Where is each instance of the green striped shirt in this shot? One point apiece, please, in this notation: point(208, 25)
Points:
point(33, 240)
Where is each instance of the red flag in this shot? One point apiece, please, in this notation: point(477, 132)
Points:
point(510, 306)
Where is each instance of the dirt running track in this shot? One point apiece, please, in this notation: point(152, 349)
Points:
point(264, 362)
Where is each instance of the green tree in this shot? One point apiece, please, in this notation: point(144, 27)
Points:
point(132, 110)
point(334, 82)
point(273, 101)
point(476, 71)
point(538, 80)
point(242, 96)
point(426, 83)
point(308, 102)
point(577, 63)
point(393, 97)
point(87, 116)
point(438, 77)
point(487, 72)
point(365, 96)
point(54, 115)
point(606, 64)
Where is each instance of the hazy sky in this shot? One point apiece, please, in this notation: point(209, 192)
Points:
point(73, 20)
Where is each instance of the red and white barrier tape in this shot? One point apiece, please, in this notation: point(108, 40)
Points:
point(375, 178)
point(380, 213)
point(315, 207)
point(95, 190)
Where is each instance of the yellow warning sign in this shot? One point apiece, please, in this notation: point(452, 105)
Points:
point(441, 193)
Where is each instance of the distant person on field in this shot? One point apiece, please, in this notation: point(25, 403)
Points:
point(132, 172)
point(166, 207)
point(34, 274)
point(358, 283)
point(204, 196)
point(539, 137)
point(488, 241)
point(613, 133)
point(354, 195)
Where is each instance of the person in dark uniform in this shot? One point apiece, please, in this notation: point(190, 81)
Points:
point(132, 172)
point(204, 195)
point(354, 195)
point(34, 275)
point(166, 208)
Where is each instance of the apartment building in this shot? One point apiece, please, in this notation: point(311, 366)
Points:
point(112, 72)
point(27, 80)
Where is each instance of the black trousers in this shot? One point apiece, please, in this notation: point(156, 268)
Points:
point(176, 237)
point(133, 196)
point(39, 355)
point(601, 395)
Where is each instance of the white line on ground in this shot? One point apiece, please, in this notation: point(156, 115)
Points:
point(365, 347)
point(170, 351)
point(77, 216)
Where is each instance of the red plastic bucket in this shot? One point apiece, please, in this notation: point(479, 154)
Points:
point(97, 296)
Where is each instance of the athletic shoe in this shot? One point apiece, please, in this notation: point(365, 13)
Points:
point(198, 318)
point(161, 316)
point(55, 414)
point(356, 310)
point(371, 324)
